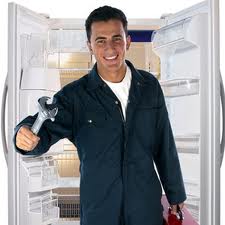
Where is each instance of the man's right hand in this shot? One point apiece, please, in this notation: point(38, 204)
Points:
point(26, 139)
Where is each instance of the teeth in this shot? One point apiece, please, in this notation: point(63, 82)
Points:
point(112, 57)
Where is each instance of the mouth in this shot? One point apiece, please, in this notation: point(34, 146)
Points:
point(111, 58)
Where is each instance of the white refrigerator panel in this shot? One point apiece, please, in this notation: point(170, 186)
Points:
point(23, 22)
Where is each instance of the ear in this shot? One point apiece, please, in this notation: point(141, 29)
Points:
point(128, 38)
point(89, 47)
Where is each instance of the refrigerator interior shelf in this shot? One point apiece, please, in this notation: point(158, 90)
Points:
point(69, 182)
point(180, 87)
point(187, 143)
point(42, 175)
point(68, 222)
point(69, 70)
point(43, 209)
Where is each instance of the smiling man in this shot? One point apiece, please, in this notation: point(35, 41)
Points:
point(117, 118)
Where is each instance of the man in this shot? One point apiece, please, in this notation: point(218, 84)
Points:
point(117, 118)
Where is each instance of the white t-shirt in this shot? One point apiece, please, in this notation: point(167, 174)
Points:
point(121, 89)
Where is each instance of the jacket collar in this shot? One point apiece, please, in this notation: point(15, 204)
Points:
point(95, 81)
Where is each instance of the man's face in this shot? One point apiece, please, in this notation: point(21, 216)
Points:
point(109, 44)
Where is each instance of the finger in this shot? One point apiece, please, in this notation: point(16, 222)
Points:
point(24, 138)
point(29, 141)
point(181, 205)
point(174, 209)
point(29, 134)
point(22, 145)
point(29, 145)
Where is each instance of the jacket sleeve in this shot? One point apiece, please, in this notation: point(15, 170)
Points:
point(165, 155)
point(51, 132)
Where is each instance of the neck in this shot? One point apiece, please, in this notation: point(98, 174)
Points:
point(113, 76)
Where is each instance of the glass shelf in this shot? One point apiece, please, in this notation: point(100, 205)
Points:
point(69, 182)
point(180, 87)
point(187, 143)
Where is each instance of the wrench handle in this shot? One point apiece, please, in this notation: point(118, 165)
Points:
point(37, 125)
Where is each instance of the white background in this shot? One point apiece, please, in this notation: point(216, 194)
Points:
point(81, 9)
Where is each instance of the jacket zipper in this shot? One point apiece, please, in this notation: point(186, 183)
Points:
point(123, 175)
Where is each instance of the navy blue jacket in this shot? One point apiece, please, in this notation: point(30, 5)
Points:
point(119, 185)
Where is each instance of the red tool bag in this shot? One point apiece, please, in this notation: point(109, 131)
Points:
point(171, 219)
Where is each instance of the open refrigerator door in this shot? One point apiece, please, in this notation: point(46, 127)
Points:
point(25, 203)
point(191, 90)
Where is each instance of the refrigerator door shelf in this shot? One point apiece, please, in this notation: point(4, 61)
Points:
point(180, 87)
point(43, 213)
point(41, 175)
point(34, 49)
point(187, 143)
point(172, 37)
point(40, 78)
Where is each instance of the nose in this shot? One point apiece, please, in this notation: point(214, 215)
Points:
point(109, 45)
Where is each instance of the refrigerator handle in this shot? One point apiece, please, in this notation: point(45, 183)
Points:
point(222, 96)
point(4, 96)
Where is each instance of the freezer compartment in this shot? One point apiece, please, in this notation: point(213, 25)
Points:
point(187, 143)
point(180, 87)
point(40, 173)
point(43, 209)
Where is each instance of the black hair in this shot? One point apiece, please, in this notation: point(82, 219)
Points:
point(105, 13)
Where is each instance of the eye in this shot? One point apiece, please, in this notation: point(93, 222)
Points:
point(100, 41)
point(117, 39)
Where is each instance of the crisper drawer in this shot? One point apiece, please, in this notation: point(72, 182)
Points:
point(41, 174)
point(43, 209)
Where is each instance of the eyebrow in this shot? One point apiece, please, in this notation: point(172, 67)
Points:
point(114, 36)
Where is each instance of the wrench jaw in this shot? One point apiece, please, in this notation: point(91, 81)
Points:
point(45, 112)
point(53, 113)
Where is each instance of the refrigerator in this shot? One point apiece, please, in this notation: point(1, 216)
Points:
point(181, 50)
